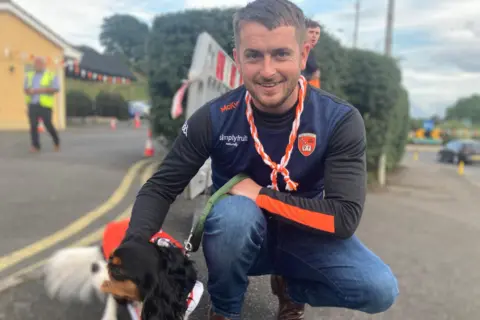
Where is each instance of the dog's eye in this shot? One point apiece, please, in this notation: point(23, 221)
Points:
point(95, 267)
point(118, 274)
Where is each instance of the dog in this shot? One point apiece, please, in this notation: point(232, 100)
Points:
point(154, 279)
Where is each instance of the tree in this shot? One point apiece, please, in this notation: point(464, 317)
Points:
point(124, 34)
point(465, 108)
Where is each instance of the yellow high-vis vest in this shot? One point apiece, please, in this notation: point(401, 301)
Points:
point(45, 100)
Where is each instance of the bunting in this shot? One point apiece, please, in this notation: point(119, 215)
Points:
point(72, 66)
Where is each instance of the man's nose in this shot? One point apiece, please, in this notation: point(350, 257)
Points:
point(268, 67)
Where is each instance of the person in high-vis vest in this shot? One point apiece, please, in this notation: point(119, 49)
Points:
point(312, 71)
point(40, 88)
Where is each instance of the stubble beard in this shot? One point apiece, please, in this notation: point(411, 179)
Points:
point(259, 103)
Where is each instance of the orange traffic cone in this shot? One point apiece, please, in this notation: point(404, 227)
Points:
point(40, 126)
point(149, 151)
point(137, 121)
point(113, 124)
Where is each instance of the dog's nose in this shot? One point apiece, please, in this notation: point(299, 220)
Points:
point(95, 267)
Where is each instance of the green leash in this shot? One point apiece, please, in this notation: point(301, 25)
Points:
point(195, 238)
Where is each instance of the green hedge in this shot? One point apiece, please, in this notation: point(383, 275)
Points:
point(111, 105)
point(78, 104)
point(374, 87)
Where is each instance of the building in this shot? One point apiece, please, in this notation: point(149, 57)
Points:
point(95, 66)
point(26, 37)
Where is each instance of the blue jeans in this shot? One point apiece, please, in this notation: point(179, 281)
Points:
point(320, 270)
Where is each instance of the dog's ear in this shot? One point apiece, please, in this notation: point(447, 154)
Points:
point(176, 277)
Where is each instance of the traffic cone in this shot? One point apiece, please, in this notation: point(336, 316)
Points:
point(113, 124)
point(40, 126)
point(149, 151)
point(137, 121)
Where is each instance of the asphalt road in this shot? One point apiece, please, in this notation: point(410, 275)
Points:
point(42, 193)
point(425, 226)
point(471, 172)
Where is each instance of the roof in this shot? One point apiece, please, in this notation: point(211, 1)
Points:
point(104, 64)
point(69, 50)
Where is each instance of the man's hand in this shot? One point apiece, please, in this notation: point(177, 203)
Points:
point(29, 91)
point(247, 188)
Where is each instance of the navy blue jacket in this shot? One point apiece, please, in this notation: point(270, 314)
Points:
point(328, 161)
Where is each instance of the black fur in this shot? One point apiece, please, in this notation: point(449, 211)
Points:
point(163, 275)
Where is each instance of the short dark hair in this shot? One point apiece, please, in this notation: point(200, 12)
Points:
point(310, 24)
point(272, 14)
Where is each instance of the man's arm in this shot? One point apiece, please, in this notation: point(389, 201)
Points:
point(189, 152)
point(340, 211)
point(54, 88)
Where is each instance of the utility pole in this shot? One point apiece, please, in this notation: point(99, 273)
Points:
point(382, 165)
point(357, 18)
point(389, 29)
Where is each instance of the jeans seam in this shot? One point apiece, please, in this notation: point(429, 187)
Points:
point(340, 293)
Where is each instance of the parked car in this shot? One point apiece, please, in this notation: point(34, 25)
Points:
point(465, 150)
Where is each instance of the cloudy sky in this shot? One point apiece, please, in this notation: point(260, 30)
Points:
point(438, 41)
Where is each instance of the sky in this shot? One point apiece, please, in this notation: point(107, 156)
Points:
point(437, 41)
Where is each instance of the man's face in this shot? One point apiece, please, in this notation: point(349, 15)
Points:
point(39, 65)
point(313, 35)
point(270, 62)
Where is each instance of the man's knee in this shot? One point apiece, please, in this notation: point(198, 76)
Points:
point(235, 222)
point(380, 293)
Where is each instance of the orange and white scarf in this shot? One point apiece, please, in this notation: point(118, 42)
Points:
point(282, 167)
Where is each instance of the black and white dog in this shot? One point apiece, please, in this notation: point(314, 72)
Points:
point(157, 281)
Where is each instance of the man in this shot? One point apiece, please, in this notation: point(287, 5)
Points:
point(312, 72)
point(304, 151)
point(40, 87)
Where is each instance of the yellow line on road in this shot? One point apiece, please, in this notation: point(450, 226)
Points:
point(76, 226)
point(89, 239)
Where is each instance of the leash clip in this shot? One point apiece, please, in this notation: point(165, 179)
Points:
point(188, 244)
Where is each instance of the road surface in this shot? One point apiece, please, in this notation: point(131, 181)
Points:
point(425, 226)
point(471, 173)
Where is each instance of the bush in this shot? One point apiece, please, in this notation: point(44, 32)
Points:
point(398, 131)
point(333, 61)
point(373, 86)
point(78, 104)
point(111, 105)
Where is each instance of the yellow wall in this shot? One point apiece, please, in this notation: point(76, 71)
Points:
point(21, 38)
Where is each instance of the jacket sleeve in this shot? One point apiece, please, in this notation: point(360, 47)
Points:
point(340, 211)
point(188, 154)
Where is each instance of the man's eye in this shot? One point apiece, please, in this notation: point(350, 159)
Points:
point(282, 54)
point(252, 55)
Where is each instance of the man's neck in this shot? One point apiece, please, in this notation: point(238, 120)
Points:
point(284, 107)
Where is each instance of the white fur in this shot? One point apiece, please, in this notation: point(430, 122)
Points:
point(69, 277)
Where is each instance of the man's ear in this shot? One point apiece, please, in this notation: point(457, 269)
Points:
point(305, 50)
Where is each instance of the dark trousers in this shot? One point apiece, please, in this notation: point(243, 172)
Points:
point(35, 112)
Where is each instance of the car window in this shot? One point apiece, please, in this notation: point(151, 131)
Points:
point(450, 145)
point(454, 145)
